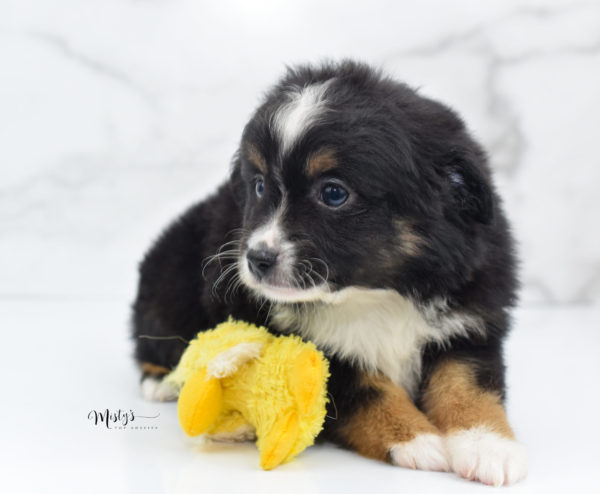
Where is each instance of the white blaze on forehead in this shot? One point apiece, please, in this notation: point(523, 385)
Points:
point(299, 113)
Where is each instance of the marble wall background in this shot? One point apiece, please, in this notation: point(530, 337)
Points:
point(115, 115)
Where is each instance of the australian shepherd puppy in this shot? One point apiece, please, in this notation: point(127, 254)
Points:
point(361, 216)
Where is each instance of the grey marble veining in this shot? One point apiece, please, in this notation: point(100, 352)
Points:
point(114, 116)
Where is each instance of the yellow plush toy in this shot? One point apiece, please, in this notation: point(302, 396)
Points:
point(238, 376)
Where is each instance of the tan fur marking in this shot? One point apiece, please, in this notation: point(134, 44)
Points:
point(320, 162)
point(453, 401)
point(155, 370)
point(256, 157)
point(388, 420)
point(410, 240)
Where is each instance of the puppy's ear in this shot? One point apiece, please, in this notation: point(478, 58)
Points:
point(470, 191)
point(236, 183)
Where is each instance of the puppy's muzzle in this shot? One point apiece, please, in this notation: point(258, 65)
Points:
point(261, 262)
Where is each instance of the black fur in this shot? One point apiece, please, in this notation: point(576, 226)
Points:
point(403, 157)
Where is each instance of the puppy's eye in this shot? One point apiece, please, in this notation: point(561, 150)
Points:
point(259, 186)
point(334, 195)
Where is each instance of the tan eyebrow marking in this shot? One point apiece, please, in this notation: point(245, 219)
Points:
point(256, 157)
point(320, 162)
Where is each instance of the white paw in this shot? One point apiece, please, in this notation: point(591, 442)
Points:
point(228, 362)
point(480, 454)
point(154, 389)
point(425, 452)
point(241, 434)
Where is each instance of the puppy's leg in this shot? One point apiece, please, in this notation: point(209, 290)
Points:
point(153, 386)
point(389, 427)
point(479, 439)
point(177, 293)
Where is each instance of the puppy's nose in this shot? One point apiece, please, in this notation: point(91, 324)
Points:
point(261, 261)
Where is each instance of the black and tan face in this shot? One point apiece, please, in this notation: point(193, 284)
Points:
point(331, 193)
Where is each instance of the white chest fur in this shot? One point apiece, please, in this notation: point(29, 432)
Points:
point(378, 330)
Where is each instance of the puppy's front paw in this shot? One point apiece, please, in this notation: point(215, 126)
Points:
point(479, 454)
point(155, 389)
point(424, 452)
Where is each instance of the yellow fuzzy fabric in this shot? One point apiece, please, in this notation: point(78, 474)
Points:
point(282, 393)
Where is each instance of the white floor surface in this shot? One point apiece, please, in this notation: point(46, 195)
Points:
point(62, 359)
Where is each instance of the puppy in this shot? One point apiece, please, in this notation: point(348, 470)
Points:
point(361, 216)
